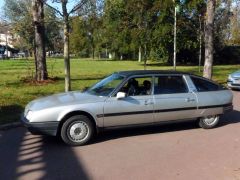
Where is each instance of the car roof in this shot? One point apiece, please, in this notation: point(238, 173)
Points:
point(150, 72)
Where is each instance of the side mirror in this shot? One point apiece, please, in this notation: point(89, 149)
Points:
point(121, 95)
point(85, 89)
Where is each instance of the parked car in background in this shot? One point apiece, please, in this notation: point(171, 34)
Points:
point(128, 98)
point(233, 81)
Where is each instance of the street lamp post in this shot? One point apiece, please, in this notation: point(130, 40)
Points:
point(175, 36)
point(200, 44)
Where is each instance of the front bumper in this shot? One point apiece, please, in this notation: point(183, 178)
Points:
point(227, 108)
point(233, 85)
point(41, 128)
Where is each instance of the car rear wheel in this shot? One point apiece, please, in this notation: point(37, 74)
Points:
point(77, 130)
point(208, 122)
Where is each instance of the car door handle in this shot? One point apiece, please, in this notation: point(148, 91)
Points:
point(148, 102)
point(189, 100)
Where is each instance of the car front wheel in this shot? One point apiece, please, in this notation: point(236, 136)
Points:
point(208, 122)
point(77, 130)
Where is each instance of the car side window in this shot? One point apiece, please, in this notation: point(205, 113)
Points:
point(169, 85)
point(204, 85)
point(138, 86)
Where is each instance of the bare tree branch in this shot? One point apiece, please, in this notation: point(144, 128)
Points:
point(56, 10)
point(78, 6)
point(74, 9)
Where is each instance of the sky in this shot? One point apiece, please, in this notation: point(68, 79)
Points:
point(1, 7)
point(1, 3)
point(56, 5)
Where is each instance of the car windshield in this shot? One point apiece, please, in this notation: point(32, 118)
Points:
point(106, 86)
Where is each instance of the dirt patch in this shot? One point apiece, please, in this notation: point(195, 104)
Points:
point(32, 81)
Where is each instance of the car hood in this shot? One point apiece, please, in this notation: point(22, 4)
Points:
point(63, 99)
point(236, 74)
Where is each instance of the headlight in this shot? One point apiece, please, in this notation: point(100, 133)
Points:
point(29, 115)
point(230, 77)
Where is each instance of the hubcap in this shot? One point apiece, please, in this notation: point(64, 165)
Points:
point(78, 131)
point(210, 120)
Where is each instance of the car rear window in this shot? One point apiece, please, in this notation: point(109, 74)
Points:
point(203, 85)
point(169, 85)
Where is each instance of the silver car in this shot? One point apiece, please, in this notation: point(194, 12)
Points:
point(128, 98)
point(233, 81)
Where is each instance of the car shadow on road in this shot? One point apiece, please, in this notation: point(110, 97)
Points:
point(10, 113)
point(24, 156)
point(155, 129)
point(230, 118)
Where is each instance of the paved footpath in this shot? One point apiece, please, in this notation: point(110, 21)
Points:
point(179, 151)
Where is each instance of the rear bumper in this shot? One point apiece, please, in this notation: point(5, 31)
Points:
point(43, 128)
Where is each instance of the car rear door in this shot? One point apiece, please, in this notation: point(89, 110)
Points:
point(212, 97)
point(135, 109)
point(172, 99)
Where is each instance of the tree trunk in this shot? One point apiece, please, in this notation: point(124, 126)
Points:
point(106, 53)
point(139, 54)
point(40, 53)
point(66, 47)
point(145, 57)
point(93, 52)
point(66, 58)
point(207, 73)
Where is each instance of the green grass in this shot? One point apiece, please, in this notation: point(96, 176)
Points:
point(14, 94)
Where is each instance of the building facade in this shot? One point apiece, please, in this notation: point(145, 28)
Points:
point(6, 44)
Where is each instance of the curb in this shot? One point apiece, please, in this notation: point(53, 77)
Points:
point(10, 126)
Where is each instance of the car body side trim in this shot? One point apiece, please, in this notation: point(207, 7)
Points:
point(124, 113)
point(176, 109)
point(161, 110)
point(215, 106)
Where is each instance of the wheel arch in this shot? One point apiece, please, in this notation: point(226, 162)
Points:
point(73, 113)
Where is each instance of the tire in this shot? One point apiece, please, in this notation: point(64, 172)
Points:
point(77, 130)
point(208, 122)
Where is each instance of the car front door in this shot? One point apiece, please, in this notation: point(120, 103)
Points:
point(136, 108)
point(172, 99)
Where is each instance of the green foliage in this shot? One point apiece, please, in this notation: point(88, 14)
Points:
point(18, 13)
point(234, 39)
point(53, 26)
point(121, 27)
point(79, 43)
point(130, 24)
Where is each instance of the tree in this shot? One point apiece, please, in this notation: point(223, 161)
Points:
point(208, 64)
point(235, 26)
point(65, 14)
point(39, 45)
point(19, 15)
point(28, 22)
point(54, 35)
point(141, 20)
point(79, 41)
point(115, 31)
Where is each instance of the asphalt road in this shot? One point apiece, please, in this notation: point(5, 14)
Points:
point(179, 151)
